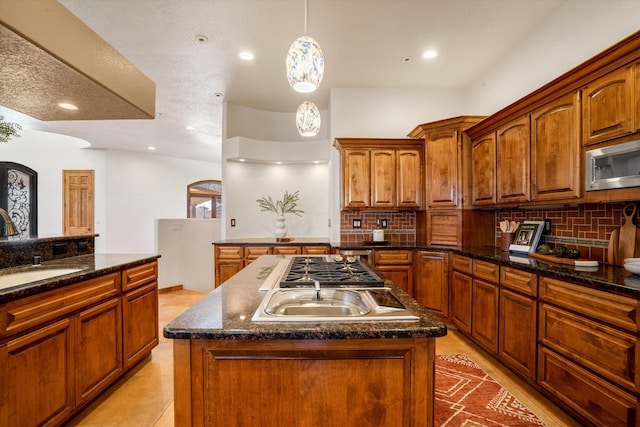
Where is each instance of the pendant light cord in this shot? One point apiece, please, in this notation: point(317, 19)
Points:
point(306, 15)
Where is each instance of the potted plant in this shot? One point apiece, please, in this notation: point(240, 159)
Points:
point(8, 130)
point(287, 205)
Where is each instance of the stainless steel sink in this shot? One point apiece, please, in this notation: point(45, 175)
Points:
point(332, 305)
point(305, 302)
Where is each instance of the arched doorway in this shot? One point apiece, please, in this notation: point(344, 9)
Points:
point(204, 199)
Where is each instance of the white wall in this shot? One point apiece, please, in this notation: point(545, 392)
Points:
point(187, 253)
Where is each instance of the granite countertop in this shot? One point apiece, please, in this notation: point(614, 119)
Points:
point(226, 313)
point(273, 241)
point(92, 265)
point(605, 277)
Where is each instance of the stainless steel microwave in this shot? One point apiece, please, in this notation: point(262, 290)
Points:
point(616, 166)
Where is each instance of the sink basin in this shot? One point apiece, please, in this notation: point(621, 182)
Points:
point(334, 305)
point(21, 277)
point(304, 302)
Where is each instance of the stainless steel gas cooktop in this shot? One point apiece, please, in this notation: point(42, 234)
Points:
point(329, 271)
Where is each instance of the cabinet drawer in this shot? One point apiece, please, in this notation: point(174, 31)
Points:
point(392, 257)
point(486, 271)
point(315, 250)
point(137, 276)
point(603, 349)
point(593, 398)
point(253, 252)
point(463, 264)
point(27, 312)
point(229, 252)
point(614, 309)
point(518, 280)
point(287, 250)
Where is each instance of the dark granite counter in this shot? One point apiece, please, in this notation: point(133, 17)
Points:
point(604, 277)
point(91, 266)
point(226, 314)
point(272, 241)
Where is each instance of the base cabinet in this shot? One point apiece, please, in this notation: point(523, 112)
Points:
point(397, 266)
point(432, 282)
point(140, 320)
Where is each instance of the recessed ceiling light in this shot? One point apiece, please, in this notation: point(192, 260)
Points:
point(247, 56)
point(428, 54)
point(202, 39)
point(241, 160)
point(190, 128)
point(150, 148)
point(67, 106)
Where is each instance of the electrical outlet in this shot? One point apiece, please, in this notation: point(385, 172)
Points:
point(233, 222)
point(357, 223)
point(547, 226)
point(383, 223)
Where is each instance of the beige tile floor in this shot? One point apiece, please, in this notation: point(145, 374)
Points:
point(144, 397)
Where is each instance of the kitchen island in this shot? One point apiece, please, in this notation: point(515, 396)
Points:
point(230, 370)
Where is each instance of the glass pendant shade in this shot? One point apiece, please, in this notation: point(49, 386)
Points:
point(305, 65)
point(308, 119)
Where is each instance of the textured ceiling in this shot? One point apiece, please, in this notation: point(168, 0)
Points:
point(365, 43)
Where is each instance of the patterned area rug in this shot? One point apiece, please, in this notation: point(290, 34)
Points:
point(468, 396)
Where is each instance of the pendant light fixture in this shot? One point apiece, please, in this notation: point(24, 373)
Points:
point(308, 119)
point(305, 62)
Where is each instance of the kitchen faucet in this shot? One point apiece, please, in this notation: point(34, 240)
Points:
point(9, 227)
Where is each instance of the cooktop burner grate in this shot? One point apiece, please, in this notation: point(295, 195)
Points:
point(329, 272)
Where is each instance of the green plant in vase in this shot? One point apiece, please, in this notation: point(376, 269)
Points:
point(287, 205)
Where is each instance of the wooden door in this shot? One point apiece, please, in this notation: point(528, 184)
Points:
point(513, 165)
point(36, 377)
point(139, 323)
point(432, 284)
point(461, 291)
point(484, 323)
point(556, 169)
point(483, 164)
point(607, 111)
point(78, 215)
point(383, 178)
point(356, 181)
point(518, 332)
point(441, 153)
point(409, 174)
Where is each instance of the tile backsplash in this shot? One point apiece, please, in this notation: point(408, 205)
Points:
point(586, 227)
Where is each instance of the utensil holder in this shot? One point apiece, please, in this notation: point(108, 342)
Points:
point(507, 239)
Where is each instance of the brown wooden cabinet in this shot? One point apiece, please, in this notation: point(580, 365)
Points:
point(588, 346)
point(443, 154)
point(556, 166)
point(98, 348)
point(287, 250)
point(316, 249)
point(60, 349)
point(37, 376)
point(461, 287)
point(518, 320)
point(228, 261)
point(432, 282)
point(513, 151)
point(608, 106)
point(397, 266)
point(484, 302)
point(381, 173)
point(483, 181)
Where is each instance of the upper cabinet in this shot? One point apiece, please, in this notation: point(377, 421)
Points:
point(483, 160)
point(608, 107)
point(513, 143)
point(447, 164)
point(557, 172)
point(381, 173)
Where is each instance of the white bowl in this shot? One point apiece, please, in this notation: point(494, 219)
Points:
point(634, 268)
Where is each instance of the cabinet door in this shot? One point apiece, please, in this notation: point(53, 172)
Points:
point(140, 323)
point(383, 178)
point(98, 349)
point(441, 166)
point(401, 275)
point(514, 153)
point(484, 323)
point(287, 250)
point(607, 110)
point(432, 283)
point(251, 253)
point(461, 292)
point(555, 150)
point(228, 261)
point(316, 249)
point(518, 332)
point(356, 182)
point(409, 174)
point(483, 163)
point(36, 377)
